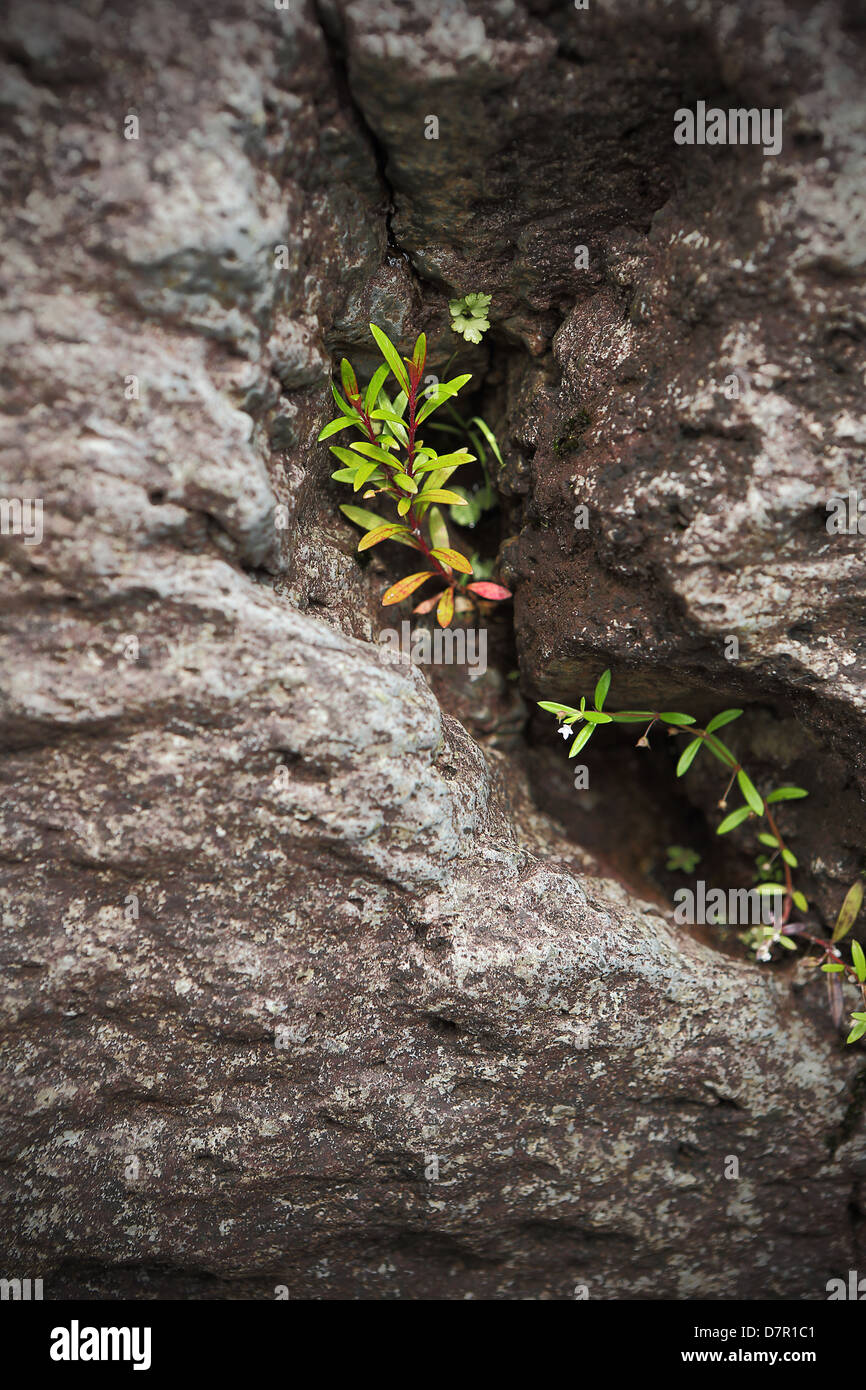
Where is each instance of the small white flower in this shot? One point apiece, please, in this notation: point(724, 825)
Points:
point(565, 730)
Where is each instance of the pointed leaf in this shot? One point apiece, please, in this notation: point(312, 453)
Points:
point(361, 517)
point(404, 587)
point(445, 609)
point(848, 911)
point(800, 901)
point(365, 471)
point(718, 721)
point(382, 533)
point(391, 356)
point(786, 794)
point(859, 960)
point(437, 528)
point(488, 435)
point(334, 427)
point(428, 604)
point(601, 689)
point(350, 381)
point(677, 718)
point(438, 494)
point(347, 410)
point(688, 756)
point(750, 792)
point(377, 381)
point(484, 589)
point(583, 737)
point(734, 819)
point(454, 559)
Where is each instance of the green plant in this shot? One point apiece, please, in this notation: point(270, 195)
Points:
point(469, 316)
point(391, 460)
point(681, 859)
point(755, 808)
point(480, 499)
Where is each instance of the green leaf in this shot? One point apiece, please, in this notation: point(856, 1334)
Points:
point(391, 356)
point(856, 1032)
point(721, 751)
point(786, 941)
point(593, 716)
point(859, 960)
point(832, 968)
point(718, 721)
point(406, 483)
point(750, 792)
point(734, 819)
point(347, 410)
point(344, 475)
point(553, 707)
point(334, 427)
point(583, 738)
point(786, 794)
point(404, 587)
point(365, 471)
point(601, 689)
point(370, 521)
point(443, 392)
point(381, 533)
point(452, 558)
point(789, 858)
point(632, 716)
point(800, 901)
point(767, 839)
point(350, 381)
point(489, 436)
point(403, 506)
point(677, 718)
point(688, 756)
point(438, 530)
point(452, 460)
point(419, 356)
point(848, 911)
point(347, 456)
point(439, 494)
point(373, 451)
point(377, 381)
point(361, 517)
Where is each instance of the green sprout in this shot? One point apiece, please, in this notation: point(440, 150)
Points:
point(469, 316)
point(681, 860)
point(754, 808)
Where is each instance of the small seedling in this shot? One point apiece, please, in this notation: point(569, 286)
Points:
point(392, 461)
point(681, 860)
point(755, 808)
point(469, 316)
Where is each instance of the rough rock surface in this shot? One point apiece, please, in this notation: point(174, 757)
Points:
point(299, 987)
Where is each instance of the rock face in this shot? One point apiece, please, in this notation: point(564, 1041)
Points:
point(301, 989)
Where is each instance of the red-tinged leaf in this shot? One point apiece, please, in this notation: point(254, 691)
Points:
point(404, 587)
point(453, 558)
point(427, 605)
point(445, 610)
point(381, 533)
point(419, 356)
point(486, 590)
point(350, 382)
